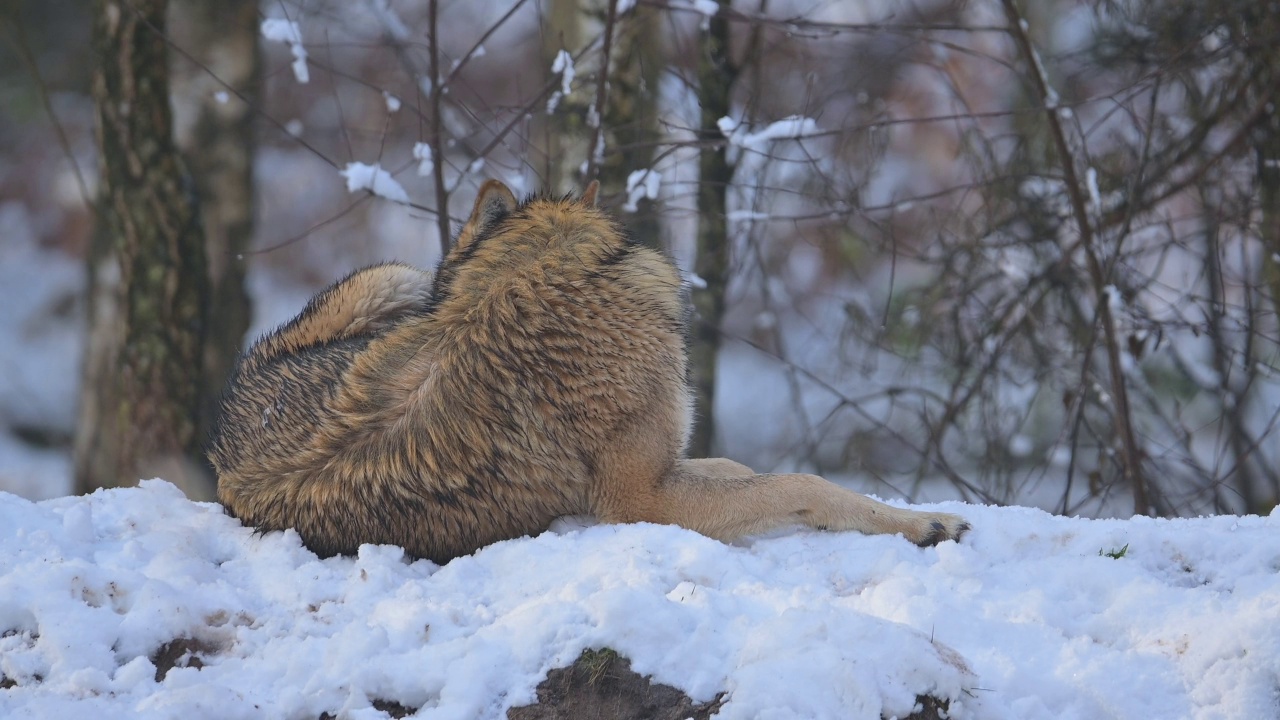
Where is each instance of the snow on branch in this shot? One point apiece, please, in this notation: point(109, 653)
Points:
point(287, 31)
point(794, 127)
point(562, 66)
point(642, 184)
point(426, 161)
point(706, 8)
point(374, 179)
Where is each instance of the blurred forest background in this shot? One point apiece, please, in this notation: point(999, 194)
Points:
point(1005, 251)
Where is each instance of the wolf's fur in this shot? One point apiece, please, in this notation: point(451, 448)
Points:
point(539, 373)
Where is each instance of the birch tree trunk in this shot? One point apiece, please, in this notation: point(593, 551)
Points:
point(566, 137)
point(143, 371)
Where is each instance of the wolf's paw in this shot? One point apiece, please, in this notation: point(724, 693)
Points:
point(933, 528)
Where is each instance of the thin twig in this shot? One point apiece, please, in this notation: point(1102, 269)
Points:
point(255, 109)
point(1130, 452)
point(470, 54)
point(437, 120)
point(19, 42)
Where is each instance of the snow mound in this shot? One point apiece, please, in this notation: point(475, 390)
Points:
point(1023, 619)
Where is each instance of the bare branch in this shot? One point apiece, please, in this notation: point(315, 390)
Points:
point(1132, 456)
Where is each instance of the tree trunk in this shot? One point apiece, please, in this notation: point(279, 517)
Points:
point(566, 137)
point(214, 92)
point(631, 114)
point(148, 283)
point(716, 75)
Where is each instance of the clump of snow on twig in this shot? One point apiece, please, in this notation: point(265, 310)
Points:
point(426, 161)
point(642, 184)
point(471, 170)
point(374, 179)
point(793, 127)
point(742, 138)
point(706, 8)
point(562, 66)
point(288, 32)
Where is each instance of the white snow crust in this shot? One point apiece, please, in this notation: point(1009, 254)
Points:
point(1022, 619)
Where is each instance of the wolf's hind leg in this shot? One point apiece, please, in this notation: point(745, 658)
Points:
point(725, 500)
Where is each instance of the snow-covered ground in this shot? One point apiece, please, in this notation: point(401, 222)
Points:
point(1022, 619)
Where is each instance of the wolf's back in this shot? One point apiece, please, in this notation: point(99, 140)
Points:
point(445, 413)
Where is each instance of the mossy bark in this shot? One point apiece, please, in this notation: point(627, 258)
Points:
point(631, 114)
point(148, 284)
point(716, 75)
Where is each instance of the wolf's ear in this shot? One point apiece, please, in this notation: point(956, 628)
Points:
point(493, 202)
point(589, 195)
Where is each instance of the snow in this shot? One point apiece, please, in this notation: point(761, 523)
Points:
point(426, 163)
point(35, 473)
point(288, 32)
point(41, 347)
point(472, 169)
point(1021, 446)
point(788, 128)
point(41, 291)
point(1115, 301)
point(642, 184)
point(374, 179)
point(562, 66)
point(1027, 617)
point(706, 8)
point(1091, 183)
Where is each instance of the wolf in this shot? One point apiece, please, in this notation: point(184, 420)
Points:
point(539, 372)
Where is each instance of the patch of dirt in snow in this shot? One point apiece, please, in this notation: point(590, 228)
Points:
point(601, 684)
point(183, 652)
